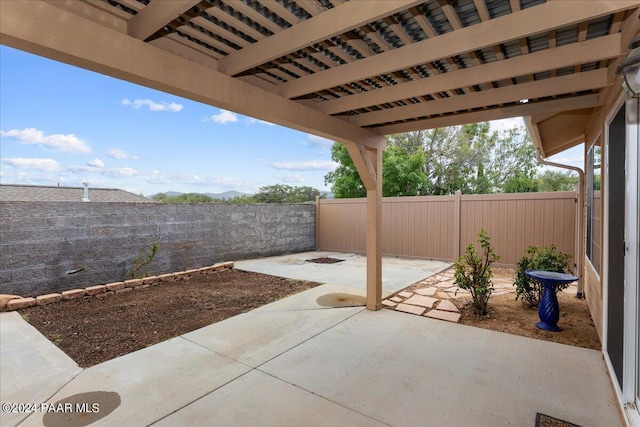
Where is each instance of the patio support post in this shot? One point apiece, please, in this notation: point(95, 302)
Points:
point(374, 235)
point(368, 162)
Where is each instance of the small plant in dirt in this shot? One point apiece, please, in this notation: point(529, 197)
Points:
point(141, 263)
point(547, 258)
point(473, 273)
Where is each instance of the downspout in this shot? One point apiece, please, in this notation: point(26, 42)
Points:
point(580, 249)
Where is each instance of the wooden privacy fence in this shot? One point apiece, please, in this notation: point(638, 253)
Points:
point(440, 227)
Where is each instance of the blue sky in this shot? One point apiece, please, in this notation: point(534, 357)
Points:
point(64, 125)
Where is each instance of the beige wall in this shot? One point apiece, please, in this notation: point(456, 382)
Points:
point(440, 227)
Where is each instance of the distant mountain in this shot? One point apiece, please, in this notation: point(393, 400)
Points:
point(226, 195)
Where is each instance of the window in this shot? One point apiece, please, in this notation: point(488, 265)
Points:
point(594, 205)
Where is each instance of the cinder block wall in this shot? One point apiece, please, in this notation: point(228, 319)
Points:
point(41, 241)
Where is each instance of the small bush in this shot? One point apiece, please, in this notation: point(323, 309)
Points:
point(473, 273)
point(535, 258)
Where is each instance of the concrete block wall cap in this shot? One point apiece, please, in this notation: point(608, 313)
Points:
point(48, 299)
point(73, 293)
point(133, 283)
point(206, 269)
point(151, 280)
point(166, 277)
point(228, 264)
point(94, 290)
point(5, 298)
point(192, 271)
point(17, 304)
point(115, 286)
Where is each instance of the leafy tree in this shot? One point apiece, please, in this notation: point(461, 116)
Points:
point(279, 193)
point(519, 183)
point(470, 158)
point(345, 181)
point(558, 181)
point(184, 198)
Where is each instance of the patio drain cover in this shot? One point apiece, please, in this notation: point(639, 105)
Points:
point(341, 300)
point(325, 260)
point(81, 409)
point(543, 420)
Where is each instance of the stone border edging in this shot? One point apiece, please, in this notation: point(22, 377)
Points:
point(18, 303)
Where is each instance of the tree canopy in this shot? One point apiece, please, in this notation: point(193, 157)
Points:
point(277, 193)
point(470, 158)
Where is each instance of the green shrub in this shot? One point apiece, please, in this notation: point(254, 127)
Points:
point(473, 273)
point(536, 258)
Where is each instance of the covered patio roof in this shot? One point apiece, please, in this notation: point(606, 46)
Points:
point(352, 71)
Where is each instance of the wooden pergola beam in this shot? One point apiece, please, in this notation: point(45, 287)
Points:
point(338, 20)
point(156, 16)
point(532, 108)
point(534, 20)
point(594, 50)
point(589, 80)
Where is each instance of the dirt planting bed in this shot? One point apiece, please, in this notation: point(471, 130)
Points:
point(93, 329)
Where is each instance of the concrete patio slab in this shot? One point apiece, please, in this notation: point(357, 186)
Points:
point(152, 382)
point(397, 273)
point(257, 399)
point(254, 338)
point(32, 367)
point(406, 370)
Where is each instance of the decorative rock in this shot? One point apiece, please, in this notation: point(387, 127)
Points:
point(5, 298)
point(133, 283)
point(396, 299)
point(94, 290)
point(121, 291)
point(205, 270)
point(181, 275)
point(115, 286)
point(443, 295)
point(228, 264)
point(447, 306)
point(192, 271)
point(405, 294)
point(19, 303)
point(388, 303)
point(413, 309)
point(427, 292)
point(72, 294)
point(48, 299)
point(166, 277)
point(141, 287)
point(422, 301)
point(444, 315)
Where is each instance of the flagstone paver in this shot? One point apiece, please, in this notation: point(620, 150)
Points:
point(427, 292)
point(433, 296)
point(446, 305)
point(444, 315)
point(422, 301)
point(413, 309)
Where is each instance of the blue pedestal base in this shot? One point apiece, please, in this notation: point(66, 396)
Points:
point(548, 327)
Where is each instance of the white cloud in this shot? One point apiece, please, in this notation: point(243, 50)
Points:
point(111, 172)
point(45, 165)
point(292, 177)
point(33, 136)
point(96, 163)
point(310, 165)
point(318, 141)
point(115, 153)
point(252, 121)
point(223, 117)
point(152, 105)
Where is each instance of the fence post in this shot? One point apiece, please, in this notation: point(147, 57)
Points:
point(317, 221)
point(456, 225)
